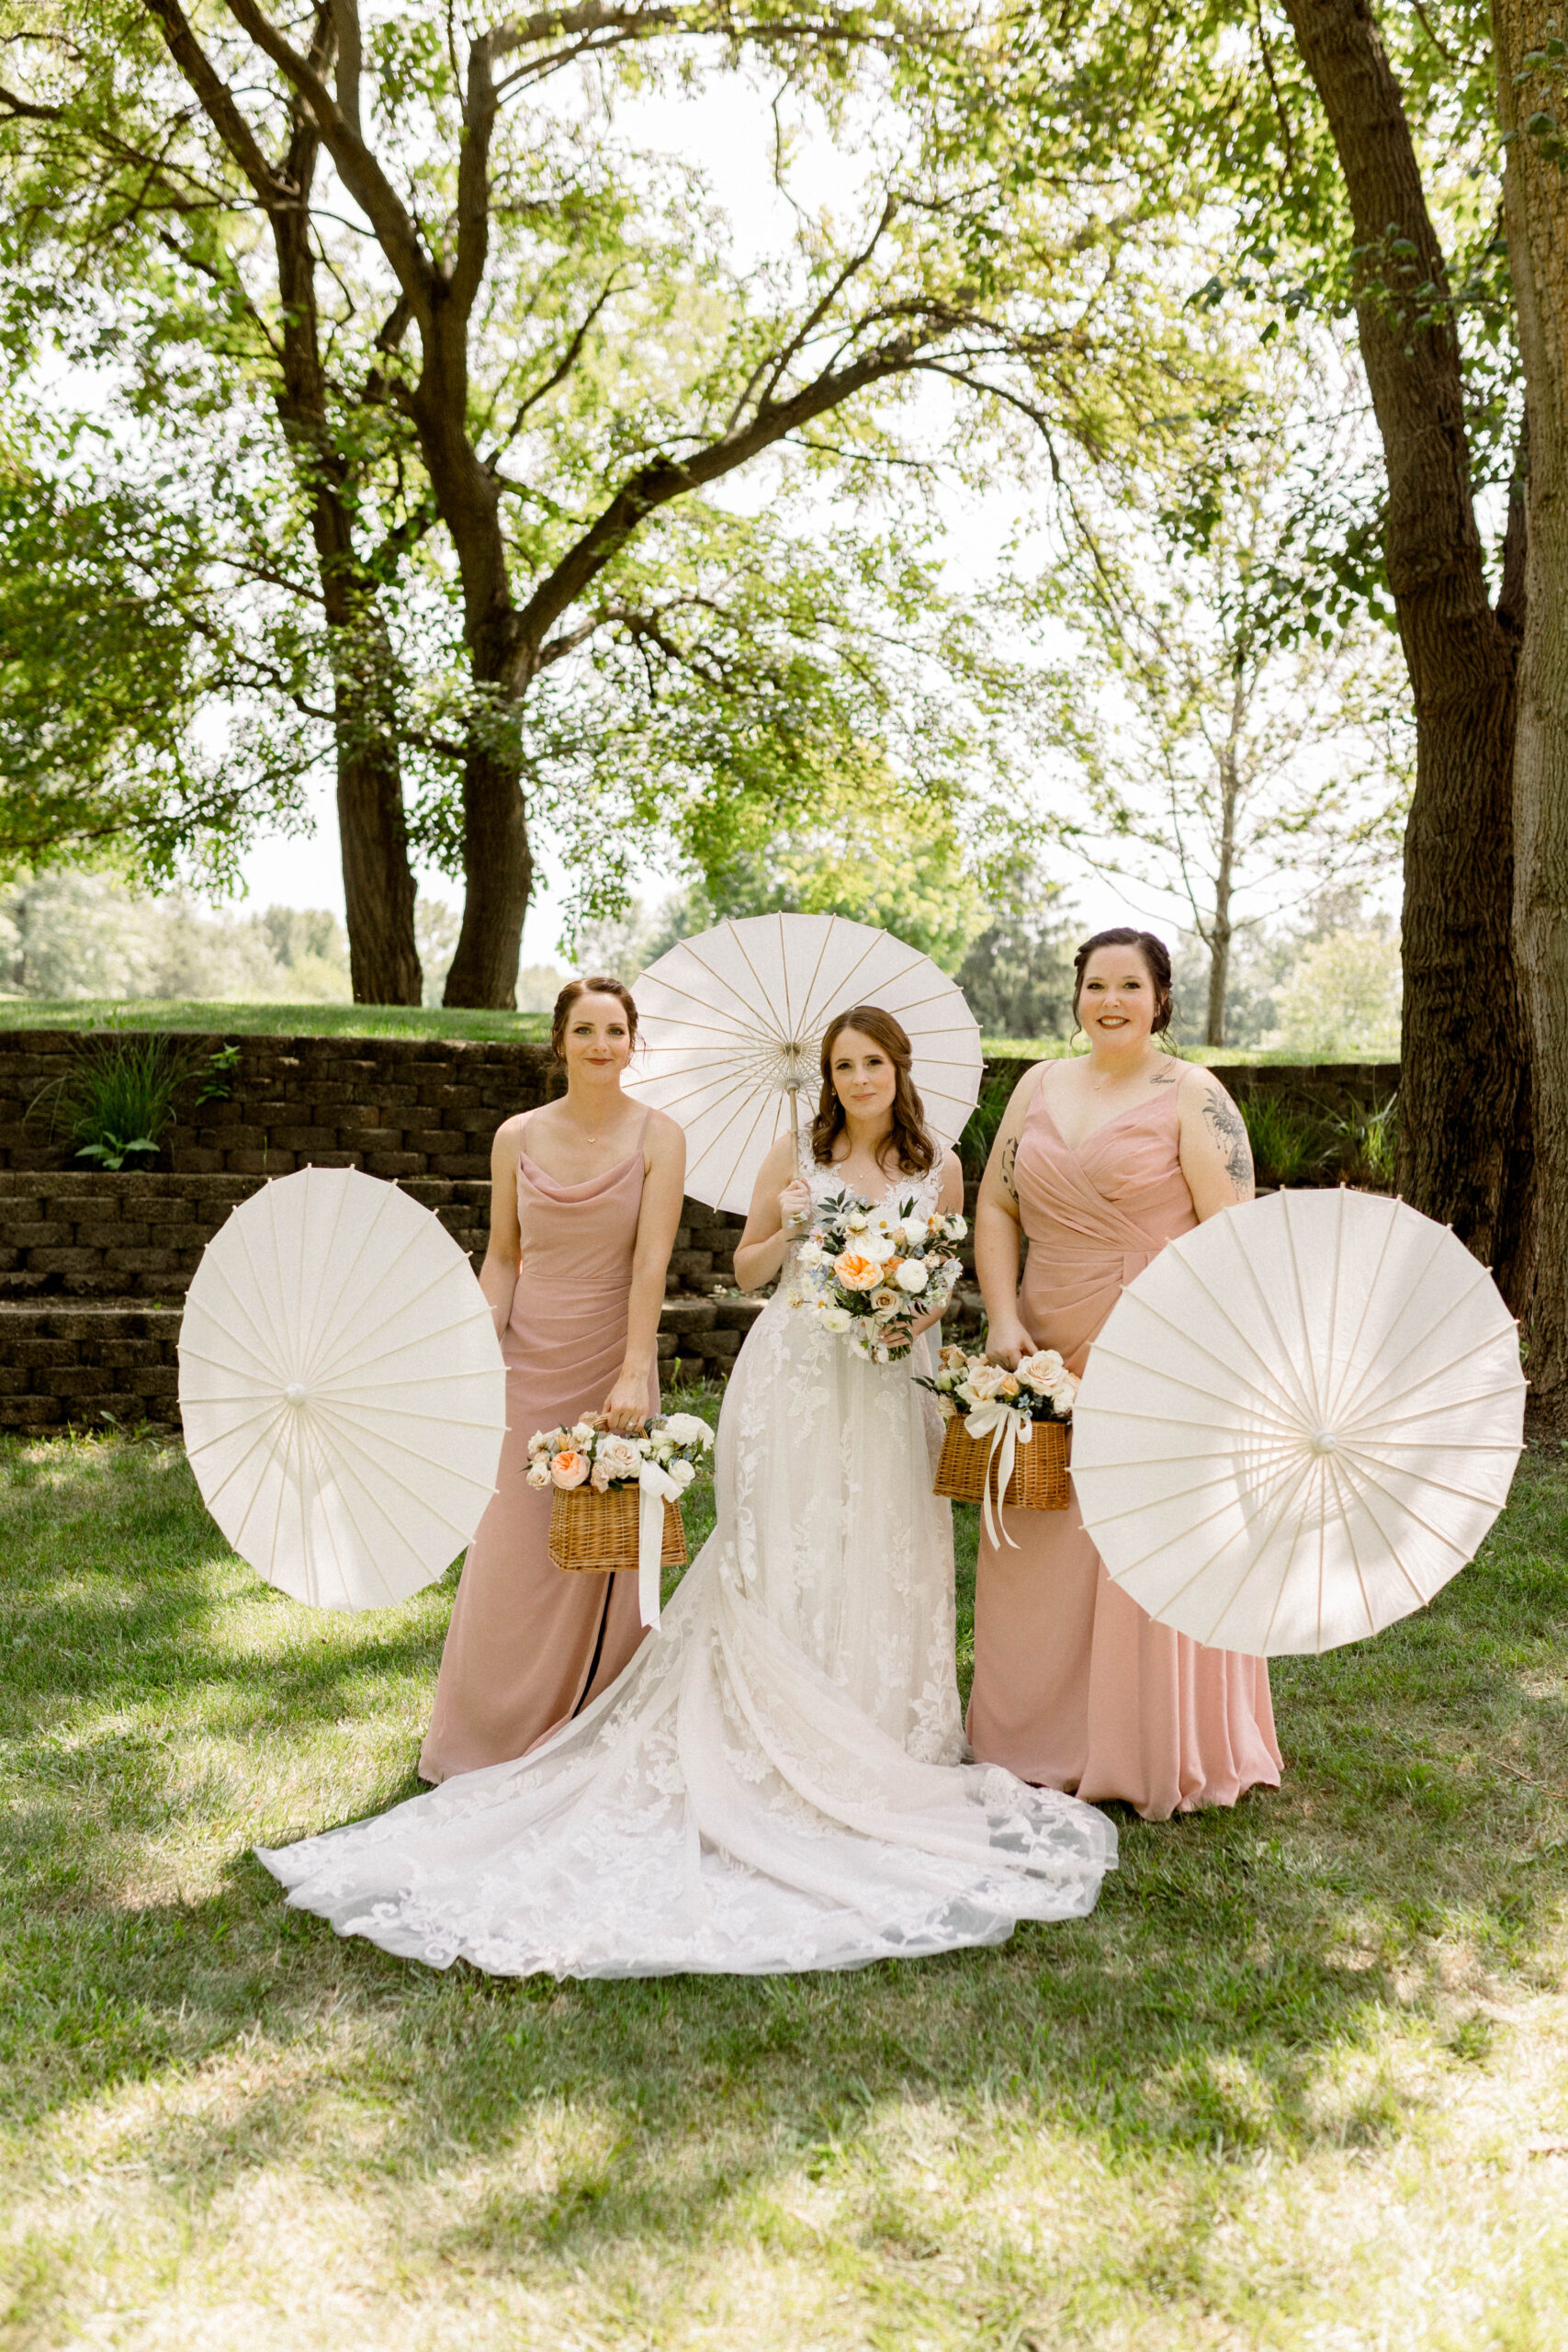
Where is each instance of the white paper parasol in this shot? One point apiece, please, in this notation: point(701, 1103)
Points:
point(1299, 1422)
point(342, 1388)
point(730, 1025)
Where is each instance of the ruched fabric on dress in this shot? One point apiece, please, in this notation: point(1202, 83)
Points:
point(774, 1783)
point(530, 1643)
point(1075, 1687)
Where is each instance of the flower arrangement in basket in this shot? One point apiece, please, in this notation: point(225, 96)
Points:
point(617, 1498)
point(1007, 1432)
point(867, 1273)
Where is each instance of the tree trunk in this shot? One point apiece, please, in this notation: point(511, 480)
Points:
point(498, 878)
point(378, 888)
point(378, 883)
point(1219, 974)
point(1463, 1039)
point(1220, 933)
point(1537, 209)
point(378, 880)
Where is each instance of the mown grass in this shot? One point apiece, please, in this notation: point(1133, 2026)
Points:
point(1302, 2081)
point(271, 1020)
point(416, 1021)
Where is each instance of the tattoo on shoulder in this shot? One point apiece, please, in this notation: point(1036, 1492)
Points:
point(1229, 1131)
point(1166, 1077)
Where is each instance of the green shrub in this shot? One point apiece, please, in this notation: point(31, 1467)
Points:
point(975, 1143)
point(1287, 1145)
point(119, 1096)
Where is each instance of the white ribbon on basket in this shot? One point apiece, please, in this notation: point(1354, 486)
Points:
point(1008, 1426)
point(655, 1488)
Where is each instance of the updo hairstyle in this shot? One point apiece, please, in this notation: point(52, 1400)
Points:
point(909, 1141)
point(567, 998)
point(1155, 955)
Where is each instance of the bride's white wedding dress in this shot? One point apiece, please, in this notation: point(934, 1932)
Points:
point(773, 1783)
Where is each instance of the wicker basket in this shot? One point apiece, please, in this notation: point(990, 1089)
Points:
point(1039, 1481)
point(598, 1532)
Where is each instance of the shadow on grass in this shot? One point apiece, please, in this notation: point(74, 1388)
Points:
point(1233, 1991)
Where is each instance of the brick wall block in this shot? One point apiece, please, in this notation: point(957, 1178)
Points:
point(53, 1234)
point(141, 1261)
point(304, 1142)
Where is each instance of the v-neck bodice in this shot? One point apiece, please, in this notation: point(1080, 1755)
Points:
point(1096, 1213)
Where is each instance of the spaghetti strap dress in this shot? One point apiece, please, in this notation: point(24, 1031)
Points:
point(1075, 1687)
point(529, 1644)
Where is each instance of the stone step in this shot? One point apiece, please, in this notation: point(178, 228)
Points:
point(73, 1362)
point(89, 1233)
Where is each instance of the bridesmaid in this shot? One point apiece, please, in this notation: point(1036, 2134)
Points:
point(1100, 1161)
point(585, 1197)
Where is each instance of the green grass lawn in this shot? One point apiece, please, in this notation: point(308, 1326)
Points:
point(272, 1020)
point(413, 1021)
point(1302, 2080)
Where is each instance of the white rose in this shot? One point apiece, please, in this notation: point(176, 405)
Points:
point(837, 1318)
point(913, 1276)
point(683, 1473)
point(618, 1458)
point(914, 1231)
point(686, 1429)
point(539, 1472)
point(811, 1253)
point(1041, 1370)
point(857, 1220)
point(582, 1432)
point(985, 1382)
point(957, 1226)
point(538, 1443)
point(1065, 1395)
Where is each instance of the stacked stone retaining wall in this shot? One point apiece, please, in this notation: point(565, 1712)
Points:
point(94, 1264)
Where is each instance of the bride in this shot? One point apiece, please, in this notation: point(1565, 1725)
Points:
point(775, 1782)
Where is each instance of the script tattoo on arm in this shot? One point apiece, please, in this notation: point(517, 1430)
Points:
point(1229, 1131)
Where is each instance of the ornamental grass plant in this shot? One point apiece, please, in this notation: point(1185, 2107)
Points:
point(1301, 2083)
point(119, 1096)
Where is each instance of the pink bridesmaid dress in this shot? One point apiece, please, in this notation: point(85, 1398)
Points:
point(530, 1643)
point(1075, 1688)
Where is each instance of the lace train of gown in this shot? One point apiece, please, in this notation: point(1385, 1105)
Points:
point(774, 1782)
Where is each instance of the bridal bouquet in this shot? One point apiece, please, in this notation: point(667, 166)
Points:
point(867, 1273)
point(1006, 1437)
point(616, 1500)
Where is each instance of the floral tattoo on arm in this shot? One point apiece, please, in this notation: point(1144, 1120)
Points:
point(1229, 1131)
point(1008, 1163)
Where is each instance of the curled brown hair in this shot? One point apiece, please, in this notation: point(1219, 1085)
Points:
point(1157, 960)
point(915, 1149)
point(567, 998)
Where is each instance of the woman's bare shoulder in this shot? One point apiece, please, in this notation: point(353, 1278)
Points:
point(778, 1164)
point(664, 1134)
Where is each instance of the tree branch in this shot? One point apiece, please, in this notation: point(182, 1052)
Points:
point(667, 478)
point(360, 173)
